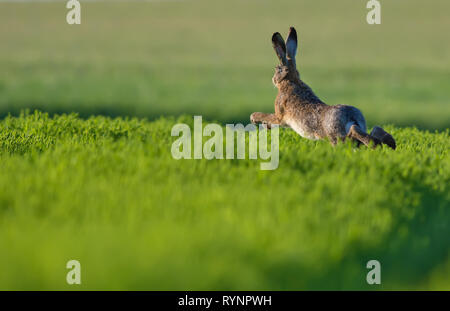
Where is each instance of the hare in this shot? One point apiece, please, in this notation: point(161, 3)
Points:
point(297, 107)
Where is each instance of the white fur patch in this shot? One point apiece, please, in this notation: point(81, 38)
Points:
point(301, 129)
point(348, 125)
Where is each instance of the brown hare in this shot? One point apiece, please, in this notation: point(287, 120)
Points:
point(297, 106)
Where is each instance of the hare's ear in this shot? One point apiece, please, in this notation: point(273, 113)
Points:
point(279, 47)
point(291, 46)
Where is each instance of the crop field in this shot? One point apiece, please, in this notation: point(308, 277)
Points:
point(89, 175)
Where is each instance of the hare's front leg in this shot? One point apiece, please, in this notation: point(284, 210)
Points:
point(265, 118)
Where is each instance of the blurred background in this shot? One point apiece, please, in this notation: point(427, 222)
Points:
point(214, 58)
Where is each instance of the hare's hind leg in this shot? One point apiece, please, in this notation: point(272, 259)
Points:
point(357, 134)
point(268, 119)
point(383, 136)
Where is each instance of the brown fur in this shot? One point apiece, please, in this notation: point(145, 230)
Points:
point(297, 106)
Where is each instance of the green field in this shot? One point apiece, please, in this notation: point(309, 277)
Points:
point(102, 187)
point(108, 193)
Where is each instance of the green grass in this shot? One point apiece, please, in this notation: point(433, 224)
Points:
point(108, 193)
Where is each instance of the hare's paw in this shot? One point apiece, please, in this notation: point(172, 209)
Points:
point(253, 118)
point(383, 137)
point(258, 117)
